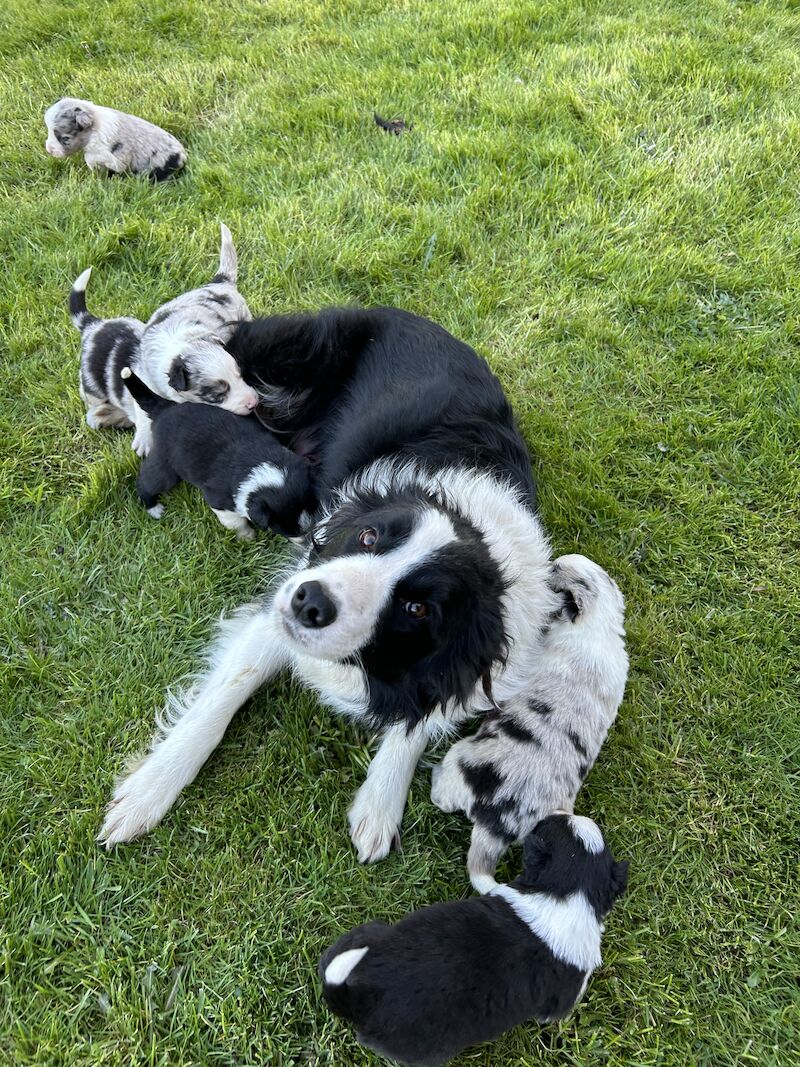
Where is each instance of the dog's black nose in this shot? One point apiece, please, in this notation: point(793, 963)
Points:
point(312, 606)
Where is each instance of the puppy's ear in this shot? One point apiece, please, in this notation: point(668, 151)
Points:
point(534, 855)
point(83, 120)
point(178, 376)
point(619, 878)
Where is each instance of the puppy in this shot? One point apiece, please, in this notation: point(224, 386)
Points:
point(463, 972)
point(111, 140)
point(182, 355)
point(532, 756)
point(241, 469)
point(107, 345)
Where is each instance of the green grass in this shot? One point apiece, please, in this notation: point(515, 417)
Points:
point(601, 197)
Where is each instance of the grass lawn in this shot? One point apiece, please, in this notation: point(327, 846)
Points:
point(602, 198)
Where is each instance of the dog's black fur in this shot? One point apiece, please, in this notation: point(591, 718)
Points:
point(217, 451)
point(463, 972)
point(351, 385)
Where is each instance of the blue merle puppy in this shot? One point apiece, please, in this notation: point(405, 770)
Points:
point(531, 755)
point(244, 473)
point(463, 972)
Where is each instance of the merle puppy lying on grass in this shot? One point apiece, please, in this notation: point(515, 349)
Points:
point(242, 470)
point(531, 756)
point(463, 972)
point(111, 140)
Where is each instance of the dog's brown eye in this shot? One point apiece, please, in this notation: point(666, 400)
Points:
point(368, 538)
point(416, 610)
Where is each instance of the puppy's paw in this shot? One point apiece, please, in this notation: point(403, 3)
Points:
point(140, 446)
point(374, 830)
point(139, 803)
point(246, 533)
point(156, 511)
point(448, 788)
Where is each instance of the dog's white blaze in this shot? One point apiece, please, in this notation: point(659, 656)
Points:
point(588, 833)
point(264, 476)
point(568, 927)
point(338, 970)
point(361, 586)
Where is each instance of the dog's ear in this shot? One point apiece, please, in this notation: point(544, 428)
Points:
point(178, 376)
point(82, 118)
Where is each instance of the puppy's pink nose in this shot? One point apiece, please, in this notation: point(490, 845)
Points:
point(251, 402)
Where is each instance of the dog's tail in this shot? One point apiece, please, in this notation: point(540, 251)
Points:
point(148, 401)
point(77, 302)
point(228, 264)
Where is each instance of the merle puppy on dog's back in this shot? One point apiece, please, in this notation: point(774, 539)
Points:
point(422, 590)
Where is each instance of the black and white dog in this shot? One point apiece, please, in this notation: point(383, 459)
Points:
point(531, 756)
point(463, 972)
point(422, 592)
point(245, 474)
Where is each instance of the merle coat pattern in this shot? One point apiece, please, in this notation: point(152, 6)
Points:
point(532, 755)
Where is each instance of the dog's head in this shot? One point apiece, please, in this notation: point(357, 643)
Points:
point(69, 126)
point(565, 854)
point(407, 589)
point(201, 371)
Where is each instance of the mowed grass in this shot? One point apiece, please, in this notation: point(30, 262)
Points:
point(603, 199)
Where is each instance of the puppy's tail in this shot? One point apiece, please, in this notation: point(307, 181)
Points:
point(147, 400)
point(334, 973)
point(77, 302)
point(484, 852)
point(228, 264)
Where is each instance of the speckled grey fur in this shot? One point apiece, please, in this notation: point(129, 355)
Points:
point(111, 140)
point(530, 757)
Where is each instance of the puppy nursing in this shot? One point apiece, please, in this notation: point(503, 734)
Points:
point(463, 972)
point(111, 140)
point(242, 470)
point(532, 756)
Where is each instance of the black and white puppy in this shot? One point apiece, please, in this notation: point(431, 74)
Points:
point(107, 345)
point(463, 972)
point(423, 588)
point(245, 474)
point(182, 355)
point(531, 756)
point(111, 140)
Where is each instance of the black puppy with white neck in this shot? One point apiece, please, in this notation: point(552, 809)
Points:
point(463, 972)
point(241, 469)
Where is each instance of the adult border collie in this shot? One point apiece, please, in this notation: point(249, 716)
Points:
point(422, 589)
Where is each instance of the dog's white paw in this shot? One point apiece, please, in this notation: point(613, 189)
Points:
point(92, 421)
point(156, 511)
point(374, 829)
point(139, 803)
point(246, 533)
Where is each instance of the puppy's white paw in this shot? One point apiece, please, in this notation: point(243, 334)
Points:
point(139, 803)
point(374, 829)
point(156, 511)
point(91, 420)
point(447, 788)
point(246, 533)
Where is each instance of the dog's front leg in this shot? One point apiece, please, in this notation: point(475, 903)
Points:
point(377, 809)
point(248, 650)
